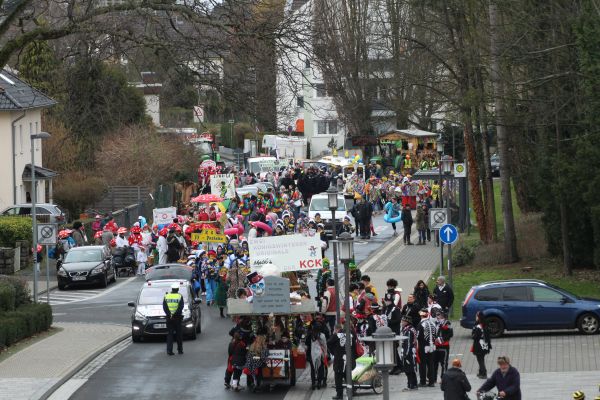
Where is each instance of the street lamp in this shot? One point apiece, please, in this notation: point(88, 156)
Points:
point(446, 164)
point(332, 200)
point(345, 245)
point(384, 339)
point(36, 266)
point(439, 201)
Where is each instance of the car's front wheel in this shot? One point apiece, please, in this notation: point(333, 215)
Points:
point(104, 282)
point(136, 338)
point(495, 326)
point(61, 286)
point(588, 324)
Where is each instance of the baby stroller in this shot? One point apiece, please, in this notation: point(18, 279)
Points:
point(124, 260)
point(365, 376)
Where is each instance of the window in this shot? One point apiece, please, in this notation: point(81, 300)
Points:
point(321, 127)
point(11, 211)
point(332, 127)
point(321, 90)
point(300, 101)
point(84, 256)
point(544, 294)
point(327, 127)
point(25, 211)
point(489, 294)
point(516, 293)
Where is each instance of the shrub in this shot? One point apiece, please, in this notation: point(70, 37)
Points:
point(22, 293)
point(13, 229)
point(7, 297)
point(24, 322)
point(463, 254)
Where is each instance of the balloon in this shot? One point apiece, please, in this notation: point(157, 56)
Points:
point(263, 226)
point(388, 216)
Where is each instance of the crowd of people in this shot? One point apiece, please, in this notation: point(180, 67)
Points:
point(221, 271)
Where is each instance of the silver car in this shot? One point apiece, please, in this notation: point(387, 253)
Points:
point(46, 212)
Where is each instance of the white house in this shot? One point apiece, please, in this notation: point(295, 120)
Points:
point(304, 103)
point(151, 88)
point(20, 117)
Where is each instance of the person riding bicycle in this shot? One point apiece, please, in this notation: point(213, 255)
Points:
point(506, 378)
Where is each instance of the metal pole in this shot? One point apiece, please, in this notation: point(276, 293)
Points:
point(336, 275)
point(34, 222)
point(349, 360)
point(47, 275)
point(450, 273)
point(386, 384)
point(440, 205)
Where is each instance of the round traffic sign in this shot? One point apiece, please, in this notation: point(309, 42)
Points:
point(460, 168)
point(47, 232)
point(439, 216)
point(448, 234)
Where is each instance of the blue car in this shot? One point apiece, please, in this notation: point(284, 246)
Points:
point(515, 305)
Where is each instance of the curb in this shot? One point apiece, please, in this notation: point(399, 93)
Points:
point(80, 366)
point(377, 253)
point(52, 287)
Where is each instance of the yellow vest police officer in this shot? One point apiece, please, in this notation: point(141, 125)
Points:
point(173, 308)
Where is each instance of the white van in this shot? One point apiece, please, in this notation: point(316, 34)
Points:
point(319, 204)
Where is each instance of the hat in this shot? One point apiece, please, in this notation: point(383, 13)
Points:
point(122, 230)
point(98, 216)
point(97, 235)
point(357, 196)
point(175, 286)
point(351, 265)
point(423, 312)
point(578, 395)
point(163, 232)
point(254, 277)
point(346, 218)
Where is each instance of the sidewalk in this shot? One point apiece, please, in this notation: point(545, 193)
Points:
point(33, 371)
point(552, 365)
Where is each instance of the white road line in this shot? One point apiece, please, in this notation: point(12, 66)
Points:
point(81, 377)
point(101, 293)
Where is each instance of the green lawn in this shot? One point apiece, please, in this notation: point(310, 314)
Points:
point(498, 208)
point(582, 283)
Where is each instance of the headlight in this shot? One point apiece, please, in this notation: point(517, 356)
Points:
point(97, 270)
point(139, 316)
point(61, 272)
point(186, 313)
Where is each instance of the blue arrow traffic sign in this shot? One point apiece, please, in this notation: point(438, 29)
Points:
point(448, 234)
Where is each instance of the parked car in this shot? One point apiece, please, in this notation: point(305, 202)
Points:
point(529, 305)
point(49, 213)
point(148, 317)
point(169, 271)
point(86, 265)
point(495, 163)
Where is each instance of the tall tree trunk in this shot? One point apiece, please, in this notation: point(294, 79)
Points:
point(473, 169)
point(510, 238)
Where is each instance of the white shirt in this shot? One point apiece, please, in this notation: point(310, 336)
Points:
point(161, 244)
point(122, 242)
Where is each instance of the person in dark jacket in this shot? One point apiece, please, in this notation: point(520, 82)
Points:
point(407, 221)
point(393, 316)
point(421, 292)
point(506, 379)
point(455, 384)
point(235, 362)
point(481, 344)
point(444, 294)
point(173, 247)
point(336, 345)
point(411, 310)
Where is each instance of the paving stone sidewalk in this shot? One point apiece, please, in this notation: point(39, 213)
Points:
point(29, 373)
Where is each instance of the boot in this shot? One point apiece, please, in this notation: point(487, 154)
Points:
point(221, 309)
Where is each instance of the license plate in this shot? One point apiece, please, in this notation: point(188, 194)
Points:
point(78, 278)
point(160, 326)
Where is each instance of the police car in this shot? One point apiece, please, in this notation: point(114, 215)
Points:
point(149, 319)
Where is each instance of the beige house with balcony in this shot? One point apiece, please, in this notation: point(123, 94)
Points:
point(20, 117)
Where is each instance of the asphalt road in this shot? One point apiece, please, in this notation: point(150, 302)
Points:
point(143, 370)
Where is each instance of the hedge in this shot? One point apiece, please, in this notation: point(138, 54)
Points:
point(7, 296)
point(13, 229)
point(24, 322)
point(22, 292)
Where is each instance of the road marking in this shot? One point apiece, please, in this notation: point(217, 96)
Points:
point(58, 297)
